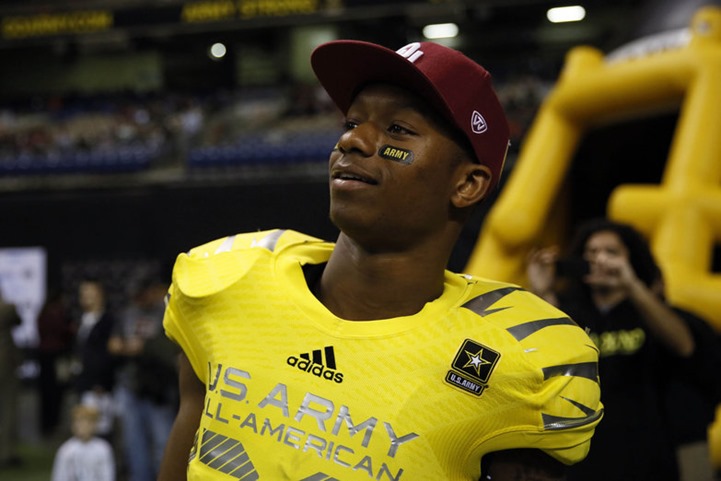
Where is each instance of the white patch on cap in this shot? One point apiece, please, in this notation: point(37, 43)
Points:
point(411, 52)
point(478, 123)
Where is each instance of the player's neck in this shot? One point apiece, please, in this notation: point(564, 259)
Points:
point(357, 285)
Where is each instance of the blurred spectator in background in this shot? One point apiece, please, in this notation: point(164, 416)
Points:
point(611, 285)
point(96, 370)
point(146, 391)
point(56, 333)
point(10, 358)
point(84, 457)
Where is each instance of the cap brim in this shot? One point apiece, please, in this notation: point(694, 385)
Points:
point(344, 67)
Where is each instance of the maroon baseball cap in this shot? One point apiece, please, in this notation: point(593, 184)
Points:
point(457, 87)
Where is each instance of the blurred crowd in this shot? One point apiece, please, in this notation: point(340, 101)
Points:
point(101, 363)
point(80, 132)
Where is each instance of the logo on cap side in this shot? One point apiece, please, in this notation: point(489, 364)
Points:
point(411, 52)
point(478, 123)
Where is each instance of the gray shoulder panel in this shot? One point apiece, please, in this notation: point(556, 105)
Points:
point(269, 242)
point(521, 331)
point(480, 304)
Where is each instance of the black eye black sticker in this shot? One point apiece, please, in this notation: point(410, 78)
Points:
point(396, 154)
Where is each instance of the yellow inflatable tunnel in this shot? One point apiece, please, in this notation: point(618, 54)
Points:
point(680, 215)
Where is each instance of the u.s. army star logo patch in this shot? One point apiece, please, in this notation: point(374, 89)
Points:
point(472, 367)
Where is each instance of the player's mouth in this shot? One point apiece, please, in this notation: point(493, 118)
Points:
point(353, 177)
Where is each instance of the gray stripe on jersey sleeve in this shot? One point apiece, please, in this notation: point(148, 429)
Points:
point(480, 304)
point(270, 240)
point(588, 370)
point(226, 245)
point(522, 331)
point(556, 423)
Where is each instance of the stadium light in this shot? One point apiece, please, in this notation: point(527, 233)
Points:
point(217, 51)
point(573, 13)
point(440, 30)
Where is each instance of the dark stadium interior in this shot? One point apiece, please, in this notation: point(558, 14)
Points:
point(123, 143)
point(130, 142)
point(158, 202)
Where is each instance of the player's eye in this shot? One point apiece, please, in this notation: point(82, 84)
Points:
point(349, 125)
point(399, 129)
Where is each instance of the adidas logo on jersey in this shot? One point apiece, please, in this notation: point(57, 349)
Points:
point(313, 363)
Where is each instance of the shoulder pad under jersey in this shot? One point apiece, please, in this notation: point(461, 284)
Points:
point(212, 267)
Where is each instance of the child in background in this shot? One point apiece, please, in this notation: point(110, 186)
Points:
point(85, 456)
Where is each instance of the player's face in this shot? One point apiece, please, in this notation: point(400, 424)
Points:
point(394, 170)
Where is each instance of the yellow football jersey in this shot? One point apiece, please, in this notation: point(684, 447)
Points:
point(296, 393)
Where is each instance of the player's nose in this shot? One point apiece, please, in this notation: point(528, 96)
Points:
point(362, 139)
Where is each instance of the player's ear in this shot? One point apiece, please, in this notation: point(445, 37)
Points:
point(472, 185)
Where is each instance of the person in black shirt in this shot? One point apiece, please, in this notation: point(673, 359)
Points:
point(611, 283)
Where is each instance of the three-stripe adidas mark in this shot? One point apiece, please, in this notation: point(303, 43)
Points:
point(313, 363)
